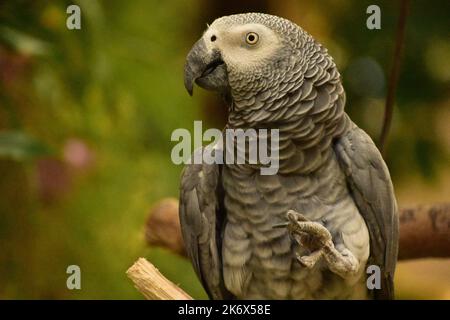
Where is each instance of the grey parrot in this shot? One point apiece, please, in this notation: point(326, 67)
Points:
point(310, 230)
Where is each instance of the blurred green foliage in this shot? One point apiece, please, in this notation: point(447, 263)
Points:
point(116, 84)
point(20, 146)
point(116, 87)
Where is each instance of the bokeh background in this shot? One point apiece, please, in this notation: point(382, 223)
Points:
point(86, 117)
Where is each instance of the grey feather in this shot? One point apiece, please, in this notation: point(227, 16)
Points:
point(370, 183)
point(201, 217)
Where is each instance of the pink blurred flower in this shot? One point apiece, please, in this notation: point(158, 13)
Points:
point(77, 154)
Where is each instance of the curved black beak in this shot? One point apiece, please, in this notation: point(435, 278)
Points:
point(200, 65)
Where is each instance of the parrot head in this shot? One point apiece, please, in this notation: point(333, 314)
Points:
point(230, 48)
point(267, 67)
point(247, 54)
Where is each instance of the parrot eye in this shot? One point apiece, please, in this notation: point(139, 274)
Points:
point(213, 38)
point(251, 38)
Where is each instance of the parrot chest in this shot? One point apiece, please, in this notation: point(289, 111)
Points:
point(259, 260)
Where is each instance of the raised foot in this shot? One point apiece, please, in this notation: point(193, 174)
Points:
point(318, 240)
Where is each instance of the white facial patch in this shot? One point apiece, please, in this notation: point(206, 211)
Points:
point(237, 53)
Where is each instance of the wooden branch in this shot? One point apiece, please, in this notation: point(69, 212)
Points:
point(163, 226)
point(152, 284)
point(424, 230)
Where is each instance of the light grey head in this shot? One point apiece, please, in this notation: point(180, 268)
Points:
point(254, 57)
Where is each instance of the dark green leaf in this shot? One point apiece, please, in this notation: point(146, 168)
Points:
point(21, 146)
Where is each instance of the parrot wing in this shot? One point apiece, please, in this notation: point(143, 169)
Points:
point(371, 188)
point(201, 217)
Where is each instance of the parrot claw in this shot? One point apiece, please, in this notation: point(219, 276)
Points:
point(313, 235)
point(311, 260)
point(294, 216)
point(281, 225)
point(317, 239)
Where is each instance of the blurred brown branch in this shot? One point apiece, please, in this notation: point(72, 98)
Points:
point(394, 75)
point(152, 284)
point(424, 230)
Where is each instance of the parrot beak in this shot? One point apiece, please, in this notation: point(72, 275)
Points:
point(205, 68)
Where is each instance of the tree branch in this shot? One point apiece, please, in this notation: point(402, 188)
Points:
point(424, 230)
point(152, 284)
point(394, 75)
